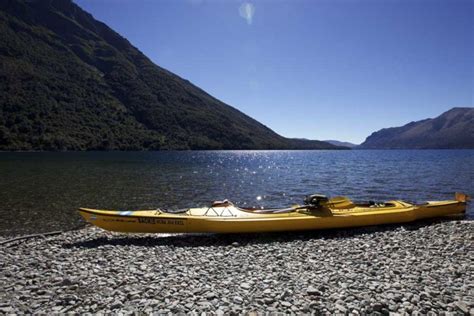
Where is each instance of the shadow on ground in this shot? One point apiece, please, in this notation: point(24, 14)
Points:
point(205, 240)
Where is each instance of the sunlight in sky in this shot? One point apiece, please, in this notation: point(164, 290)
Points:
point(247, 10)
point(311, 69)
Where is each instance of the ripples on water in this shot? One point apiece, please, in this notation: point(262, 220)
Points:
point(41, 191)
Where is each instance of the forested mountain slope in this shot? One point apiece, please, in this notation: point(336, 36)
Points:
point(69, 82)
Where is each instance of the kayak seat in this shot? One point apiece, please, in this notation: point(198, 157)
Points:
point(269, 211)
point(340, 202)
point(223, 203)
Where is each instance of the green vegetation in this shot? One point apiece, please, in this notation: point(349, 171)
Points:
point(69, 82)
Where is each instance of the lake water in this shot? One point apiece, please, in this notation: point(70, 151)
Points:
point(41, 191)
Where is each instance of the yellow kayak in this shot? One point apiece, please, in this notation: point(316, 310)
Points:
point(318, 212)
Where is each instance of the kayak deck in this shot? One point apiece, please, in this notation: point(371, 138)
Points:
point(227, 218)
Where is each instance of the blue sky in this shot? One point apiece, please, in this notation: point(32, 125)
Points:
point(318, 69)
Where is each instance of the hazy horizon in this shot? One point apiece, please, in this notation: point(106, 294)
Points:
point(311, 69)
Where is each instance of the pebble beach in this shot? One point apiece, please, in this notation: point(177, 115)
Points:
point(419, 268)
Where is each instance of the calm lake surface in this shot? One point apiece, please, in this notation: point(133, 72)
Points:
point(41, 191)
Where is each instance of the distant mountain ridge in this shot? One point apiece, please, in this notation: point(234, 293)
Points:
point(69, 82)
point(452, 129)
point(339, 143)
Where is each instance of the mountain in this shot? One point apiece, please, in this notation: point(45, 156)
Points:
point(339, 143)
point(69, 82)
point(452, 129)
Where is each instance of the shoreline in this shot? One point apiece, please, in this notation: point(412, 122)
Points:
point(417, 267)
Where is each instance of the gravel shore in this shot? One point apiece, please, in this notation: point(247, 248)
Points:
point(425, 268)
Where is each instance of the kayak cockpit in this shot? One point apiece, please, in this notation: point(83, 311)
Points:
point(313, 205)
point(317, 205)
